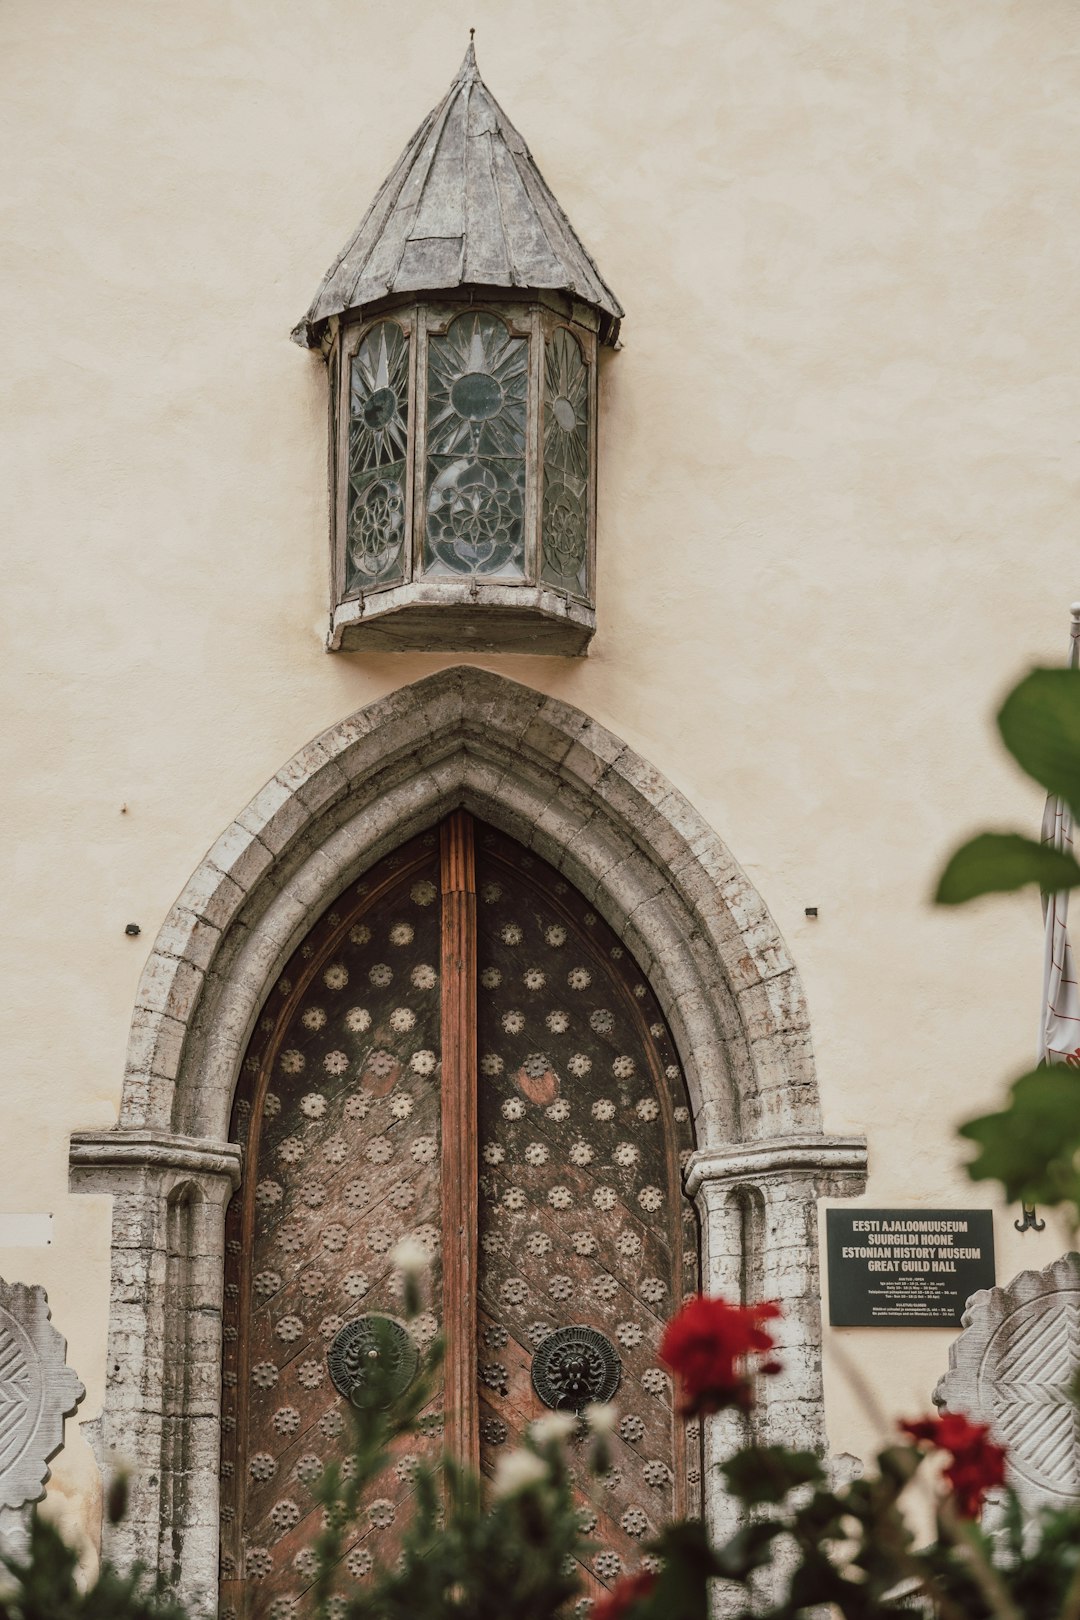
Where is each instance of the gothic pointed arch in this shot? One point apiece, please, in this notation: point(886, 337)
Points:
point(561, 785)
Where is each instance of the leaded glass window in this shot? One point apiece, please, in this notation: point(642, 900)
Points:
point(477, 406)
point(565, 524)
point(376, 541)
point(464, 477)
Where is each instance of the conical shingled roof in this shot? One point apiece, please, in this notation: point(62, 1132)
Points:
point(465, 205)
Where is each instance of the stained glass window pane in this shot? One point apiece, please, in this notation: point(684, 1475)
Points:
point(566, 463)
point(475, 491)
point(375, 541)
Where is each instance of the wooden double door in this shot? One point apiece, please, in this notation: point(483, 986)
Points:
point(461, 1052)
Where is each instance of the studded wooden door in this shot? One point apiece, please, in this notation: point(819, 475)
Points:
point(581, 1220)
point(460, 994)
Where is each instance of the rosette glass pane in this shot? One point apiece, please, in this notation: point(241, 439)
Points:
point(378, 437)
point(566, 464)
point(475, 493)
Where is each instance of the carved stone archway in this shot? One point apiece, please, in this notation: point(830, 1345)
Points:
point(561, 784)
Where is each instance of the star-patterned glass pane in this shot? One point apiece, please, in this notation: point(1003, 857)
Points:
point(566, 463)
point(376, 531)
point(476, 414)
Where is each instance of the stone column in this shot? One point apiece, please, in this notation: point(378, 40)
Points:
point(161, 1422)
point(758, 1207)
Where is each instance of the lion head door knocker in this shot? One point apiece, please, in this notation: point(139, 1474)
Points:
point(574, 1366)
point(369, 1346)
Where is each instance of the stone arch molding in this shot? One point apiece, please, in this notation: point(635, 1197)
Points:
point(561, 784)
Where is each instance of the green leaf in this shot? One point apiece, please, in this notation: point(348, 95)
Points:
point(767, 1473)
point(682, 1590)
point(1040, 726)
point(749, 1549)
point(1031, 1147)
point(996, 863)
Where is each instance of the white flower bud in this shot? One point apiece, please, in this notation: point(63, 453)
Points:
point(410, 1257)
point(517, 1471)
point(601, 1417)
point(553, 1427)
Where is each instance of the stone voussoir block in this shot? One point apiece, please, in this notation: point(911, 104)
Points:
point(324, 788)
point(275, 815)
point(687, 822)
point(240, 855)
point(771, 1005)
point(448, 773)
point(482, 778)
point(185, 934)
point(441, 703)
point(583, 768)
point(487, 705)
point(593, 736)
point(169, 985)
point(636, 776)
point(155, 1044)
point(543, 741)
point(598, 849)
point(211, 895)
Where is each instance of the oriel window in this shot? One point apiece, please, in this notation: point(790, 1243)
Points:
point(463, 327)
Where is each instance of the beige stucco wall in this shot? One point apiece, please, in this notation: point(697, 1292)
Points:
point(839, 465)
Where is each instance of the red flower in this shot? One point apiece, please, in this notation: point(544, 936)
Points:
point(977, 1463)
point(624, 1596)
point(708, 1345)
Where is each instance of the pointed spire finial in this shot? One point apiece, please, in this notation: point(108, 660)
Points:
point(468, 69)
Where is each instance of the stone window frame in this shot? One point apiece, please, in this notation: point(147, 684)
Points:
point(558, 782)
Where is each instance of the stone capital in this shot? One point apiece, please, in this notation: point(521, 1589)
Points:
point(757, 1164)
point(104, 1161)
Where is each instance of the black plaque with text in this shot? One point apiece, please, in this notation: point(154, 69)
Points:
point(906, 1267)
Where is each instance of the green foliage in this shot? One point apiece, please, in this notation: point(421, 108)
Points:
point(682, 1589)
point(515, 1557)
point(803, 1547)
point(760, 1474)
point(43, 1586)
point(1035, 1560)
point(994, 863)
point(1040, 726)
point(461, 1559)
point(380, 1417)
point(1032, 1145)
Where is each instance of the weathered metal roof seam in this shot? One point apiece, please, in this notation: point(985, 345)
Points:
point(464, 205)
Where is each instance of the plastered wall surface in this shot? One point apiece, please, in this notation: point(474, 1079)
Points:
point(838, 476)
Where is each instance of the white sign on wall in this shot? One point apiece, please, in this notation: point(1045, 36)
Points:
point(25, 1231)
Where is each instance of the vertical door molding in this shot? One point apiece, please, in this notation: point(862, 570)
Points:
point(458, 880)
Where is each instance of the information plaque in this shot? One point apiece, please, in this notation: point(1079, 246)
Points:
point(906, 1267)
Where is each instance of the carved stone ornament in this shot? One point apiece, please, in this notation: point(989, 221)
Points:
point(369, 1339)
point(1012, 1367)
point(574, 1366)
point(37, 1392)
